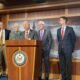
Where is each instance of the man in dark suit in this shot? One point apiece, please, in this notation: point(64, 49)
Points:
point(28, 34)
point(7, 33)
point(66, 43)
point(46, 37)
point(4, 35)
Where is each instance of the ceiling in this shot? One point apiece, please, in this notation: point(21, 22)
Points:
point(19, 2)
point(11, 6)
point(12, 3)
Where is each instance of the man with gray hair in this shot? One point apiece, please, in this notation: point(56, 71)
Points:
point(28, 33)
point(45, 36)
point(15, 34)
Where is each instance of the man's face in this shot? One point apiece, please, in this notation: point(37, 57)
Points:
point(16, 27)
point(62, 21)
point(1, 26)
point(41, 26)
point(26, 25)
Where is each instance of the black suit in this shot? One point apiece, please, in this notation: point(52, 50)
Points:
point(7, 32)
point(2, 59)
point(65, 49)
point(47, 42)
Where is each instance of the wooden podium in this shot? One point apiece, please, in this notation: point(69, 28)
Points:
point(23, 59)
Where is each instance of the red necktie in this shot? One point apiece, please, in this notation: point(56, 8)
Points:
point(62, 33)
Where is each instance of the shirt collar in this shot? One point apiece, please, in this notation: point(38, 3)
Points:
point(42, 30)
point(28, 31)
point(63, 27)
point(1, 30)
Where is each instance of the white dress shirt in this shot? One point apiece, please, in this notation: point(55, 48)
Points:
point(64, 28)
point(27, 34)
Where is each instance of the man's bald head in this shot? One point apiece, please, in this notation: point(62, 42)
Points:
point(26, 25)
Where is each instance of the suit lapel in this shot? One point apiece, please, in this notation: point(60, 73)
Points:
point(23, 35)
point(30, 34)
point(66, 32)
point(44, 34)
point(60, 33)
point(39, 34)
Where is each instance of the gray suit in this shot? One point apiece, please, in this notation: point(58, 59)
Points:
point(47, 43)
point(15, 35)
point(32, 35)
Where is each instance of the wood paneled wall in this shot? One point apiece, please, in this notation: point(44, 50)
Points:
point(54, 63)
point(71, 12)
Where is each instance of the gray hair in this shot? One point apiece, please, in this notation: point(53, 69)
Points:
point(41, 22)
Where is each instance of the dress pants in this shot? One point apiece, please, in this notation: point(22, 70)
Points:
point(2, 59)
point(45, 60)
point(66, 64)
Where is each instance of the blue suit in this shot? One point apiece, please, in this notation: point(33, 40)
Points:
point(65, 49)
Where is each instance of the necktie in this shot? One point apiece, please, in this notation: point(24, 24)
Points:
point(41, 35)
point(62, 33)
point(26, 35)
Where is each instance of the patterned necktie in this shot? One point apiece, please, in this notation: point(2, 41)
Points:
point(26, 35)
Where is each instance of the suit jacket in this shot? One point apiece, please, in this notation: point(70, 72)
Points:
point(15, 35)
point(46, 40)
point(7, 33)
point(68, 42)
point(32, 35)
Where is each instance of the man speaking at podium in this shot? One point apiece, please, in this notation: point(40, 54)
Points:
point(4, 35)
point(28, 34)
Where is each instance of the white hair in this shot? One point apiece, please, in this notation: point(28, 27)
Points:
point(41, 22)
